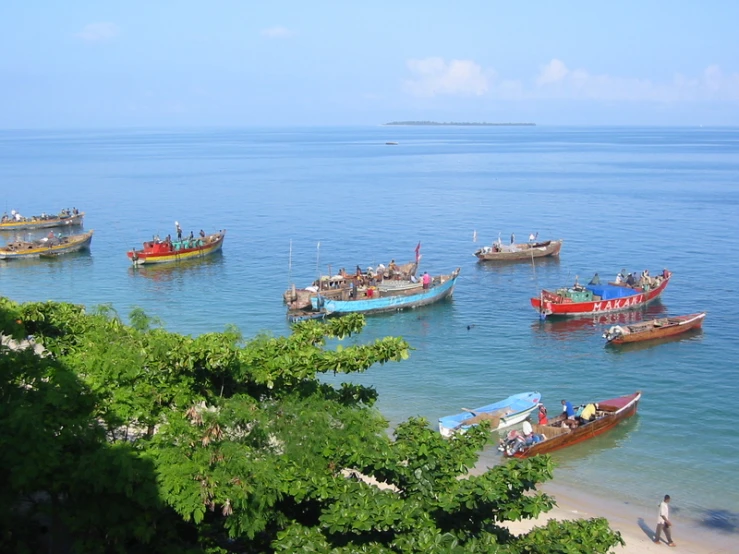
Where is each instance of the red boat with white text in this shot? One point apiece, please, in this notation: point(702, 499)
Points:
point(592, 299)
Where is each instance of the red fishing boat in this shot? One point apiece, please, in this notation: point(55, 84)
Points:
point(167, 251)
point(591, 299)
point(561, 432)
point(654, 329)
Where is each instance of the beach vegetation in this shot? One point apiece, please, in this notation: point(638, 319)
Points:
point(126, 437)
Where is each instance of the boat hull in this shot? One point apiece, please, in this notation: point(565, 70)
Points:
point(139, 257)
point(620, 409)
point(525, 402)
point(42, 223)
point(524, 252)
point(388, 303)
point(650, 331)
point(75, 243)
point(546, 305)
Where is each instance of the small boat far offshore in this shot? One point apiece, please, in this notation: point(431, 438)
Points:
point(580, 300)
point(515, 252)
point(165, 251)
point(498, 415)
point(41, 222)
point(47, 247)
point(654, 329)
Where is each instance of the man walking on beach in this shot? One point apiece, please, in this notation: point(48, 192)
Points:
point(663, 522)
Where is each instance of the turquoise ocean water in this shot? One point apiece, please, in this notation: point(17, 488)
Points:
point(631, 198)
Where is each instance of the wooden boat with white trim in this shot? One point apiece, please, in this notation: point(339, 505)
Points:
point(582, 300)
point(654, 329)
point(608, 414)
point(46, 247)
point(164, 251)
point(517, 252)
point(41, 222)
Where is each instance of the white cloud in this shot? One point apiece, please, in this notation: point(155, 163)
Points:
point(555, 81)
point(277, 32)
point(553, 72)
point(98, 32)
point(435, 76)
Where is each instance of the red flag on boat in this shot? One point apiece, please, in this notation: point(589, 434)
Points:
point(418, 252)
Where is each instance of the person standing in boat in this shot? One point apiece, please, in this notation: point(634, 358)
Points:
point(595, 280)
point(426, 280)
point(178, 229)
point(202, 234)
point(513, 238)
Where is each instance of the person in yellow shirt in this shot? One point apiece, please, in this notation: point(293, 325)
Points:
point(588, 413)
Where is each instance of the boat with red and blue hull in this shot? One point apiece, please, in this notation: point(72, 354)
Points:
point(581, 300)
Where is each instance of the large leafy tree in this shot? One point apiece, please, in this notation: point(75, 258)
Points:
point(131, 438)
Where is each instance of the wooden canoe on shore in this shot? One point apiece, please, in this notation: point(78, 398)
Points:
point(608, 414)
point(518, 252)
point(47, 247)
point(654, 329)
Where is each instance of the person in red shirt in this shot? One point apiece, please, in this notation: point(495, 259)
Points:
point(543, 420)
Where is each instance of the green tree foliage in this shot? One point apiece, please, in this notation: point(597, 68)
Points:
point(129, 438)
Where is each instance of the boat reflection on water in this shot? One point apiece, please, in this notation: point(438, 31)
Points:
point(177, 270)
point(691, 335)
point(574, 455)
point(563, 328)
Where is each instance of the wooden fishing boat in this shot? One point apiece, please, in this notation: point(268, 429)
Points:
point(47, 247)
point(388, 296)
point(499, 415)
point(41, 221)
point(165, 251)
point(556, 435)
point(654, 329)
point(516, 252)
point(590, 299)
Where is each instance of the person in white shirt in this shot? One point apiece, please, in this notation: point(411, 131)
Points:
point(663, 522)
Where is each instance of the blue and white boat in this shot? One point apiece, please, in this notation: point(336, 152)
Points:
point(510, 411)
point(389, 296)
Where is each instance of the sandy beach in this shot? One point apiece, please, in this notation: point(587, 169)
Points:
point(636, 524)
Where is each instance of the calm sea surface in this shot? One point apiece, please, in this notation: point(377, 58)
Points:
point(631, 198)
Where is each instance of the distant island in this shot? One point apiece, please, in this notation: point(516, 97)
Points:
point(459, 124)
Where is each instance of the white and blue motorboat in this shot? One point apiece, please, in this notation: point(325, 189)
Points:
point(510, 411)
point(390, 296)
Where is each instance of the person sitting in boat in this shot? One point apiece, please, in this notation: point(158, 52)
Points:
point(595, 280)
point(543, 419)
point(202, 234)
point(577, 286)
point(380, 272)
point(75, 211)
point(393, 272)
point(587, 413)
point(358, 272)
point(631, 280)
point(4, 218)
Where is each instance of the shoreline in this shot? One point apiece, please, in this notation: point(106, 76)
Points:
point(635, 523)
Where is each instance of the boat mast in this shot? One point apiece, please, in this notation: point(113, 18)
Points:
point(290, 265)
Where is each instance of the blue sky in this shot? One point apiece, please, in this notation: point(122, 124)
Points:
point(168, 63)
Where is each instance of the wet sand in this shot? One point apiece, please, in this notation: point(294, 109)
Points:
point(636, 524)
